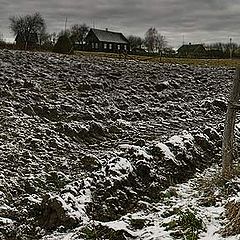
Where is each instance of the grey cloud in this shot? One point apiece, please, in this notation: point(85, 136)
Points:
point(195, 19)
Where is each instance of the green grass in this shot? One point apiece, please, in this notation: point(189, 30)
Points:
point(231, 63)
point(216, 183)
point(186, 226)
point(100, 232)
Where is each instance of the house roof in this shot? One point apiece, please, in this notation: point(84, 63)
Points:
point(33, 38)
point(191, 47)
point(108, 36)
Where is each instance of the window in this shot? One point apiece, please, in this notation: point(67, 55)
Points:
point(125, 47)
point(105, 46)
point(118, 47)
point(110, 46)
point(92, 45)
point(96, 45)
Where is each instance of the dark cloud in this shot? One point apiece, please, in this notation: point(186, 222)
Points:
point(197, 21)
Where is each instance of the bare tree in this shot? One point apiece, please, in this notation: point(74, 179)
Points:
point(225, 48)
point(65, 32)
point(46, 41)
point(150, 39)
point(1, 38)
point(53, 37)
point(26, 26)
point(154, 41)
point(135, 42)
point(161, 43)
point(216, 46)
point(222, 46)
point(78, 32)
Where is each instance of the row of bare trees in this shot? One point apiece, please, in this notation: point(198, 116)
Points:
point(27, 25)
point(76, 32)
point(153, 41)
point(225, 50)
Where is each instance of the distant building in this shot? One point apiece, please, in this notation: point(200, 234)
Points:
point(106, 41)
point(192, 51)
point(138, 50)
point(215, 53)
point(31, 42)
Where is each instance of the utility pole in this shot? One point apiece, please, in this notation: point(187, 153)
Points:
point(230, 48)
point(65, 27)
point(93, 23)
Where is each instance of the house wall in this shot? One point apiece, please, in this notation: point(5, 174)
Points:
point(93, 44)
point(114, 47)
point(90, 39)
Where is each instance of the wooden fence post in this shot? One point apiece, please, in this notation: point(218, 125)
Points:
point(228, 136)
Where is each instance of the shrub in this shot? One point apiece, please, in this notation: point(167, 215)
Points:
point(186, 226)
point(63, 45)
point(232, 213)
point(100, 232)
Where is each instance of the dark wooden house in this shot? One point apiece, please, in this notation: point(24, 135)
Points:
point(192, 51)
point(106, 41)
point(29, 43)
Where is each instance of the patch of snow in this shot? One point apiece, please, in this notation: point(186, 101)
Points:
point(34, 199)
point(5, 221)
point(119, 168)
point(138, 151)
point(188, 195)
point(124, 122)
point(180, 140)
point(118, 225)
point(167, 153)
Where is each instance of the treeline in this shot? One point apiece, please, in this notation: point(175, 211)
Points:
point(224, 50)
point(30, 32)
point(28, 29)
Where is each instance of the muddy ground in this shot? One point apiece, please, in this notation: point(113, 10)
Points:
point(86, 138)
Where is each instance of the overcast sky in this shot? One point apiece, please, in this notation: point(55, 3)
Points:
point(196, 21)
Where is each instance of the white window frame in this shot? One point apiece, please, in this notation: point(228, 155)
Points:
point(96, 45)
point(105, 45)
point(118, 47)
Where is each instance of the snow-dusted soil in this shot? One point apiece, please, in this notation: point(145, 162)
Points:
point(153, 221)
point(88, 140)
